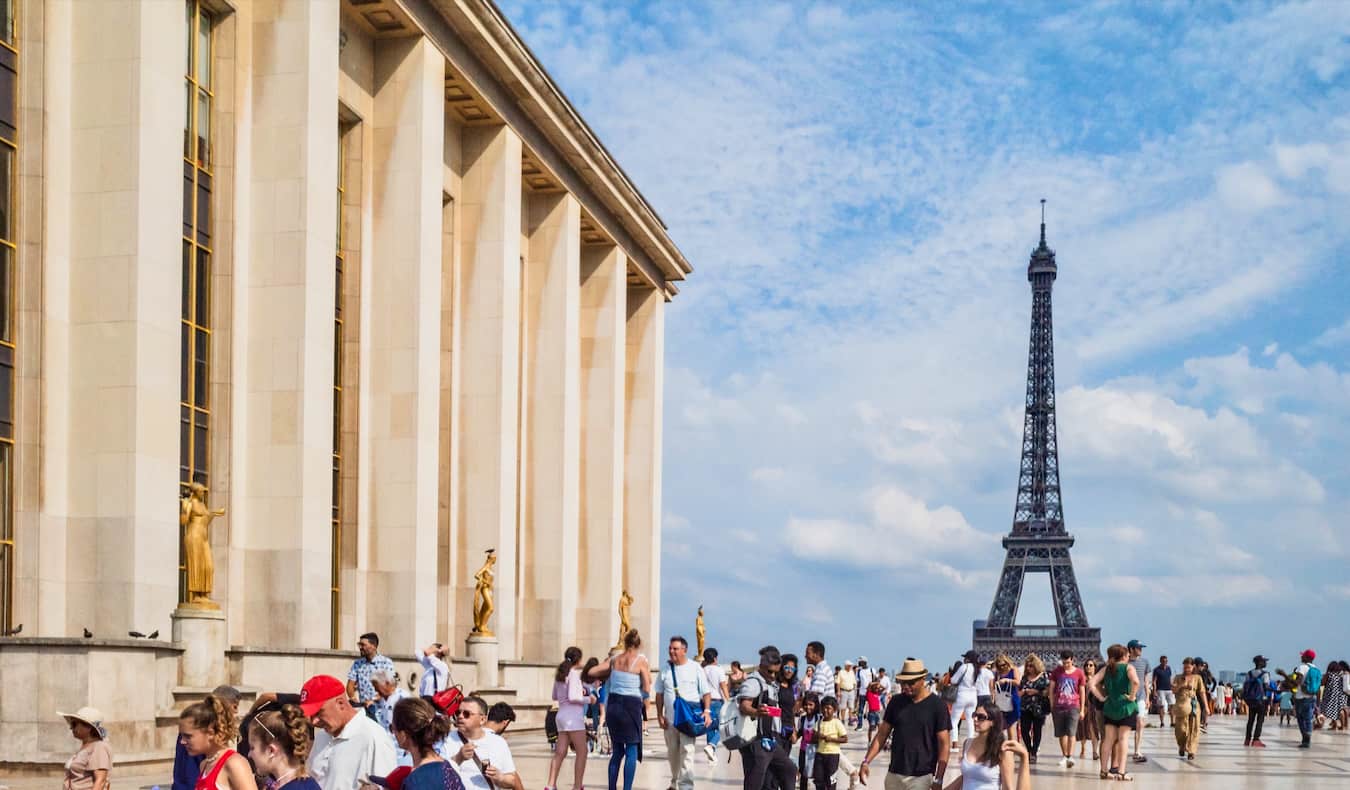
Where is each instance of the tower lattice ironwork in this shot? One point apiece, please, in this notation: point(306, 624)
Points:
point(1038, 542)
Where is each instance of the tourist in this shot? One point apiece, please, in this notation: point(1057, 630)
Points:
point(717, 683)
point(265, 701)
point(1035, 703)
point(630, 679)
point(208, 729)
point(279, 746)
point(359, 688)
point(1162, 687)
point(1090, 723)
point(984, 682)
point(873, 706)
point(387, 695)
point(435, 672)
point(787, 697)
point(989, 761)
point(1307, 678)
point(864, 677)
point(1210, 683)
point(830, 734)
point(758, 697)
point(822, 675)
point(1117, 686)
point(919, 729)
point(1333, 694)
point(1068, 695)
point(1006, 696)
point(500, 716)
point(684, 679)
point(1144, 673)
point(349, 745)
point(1189, 690)
point(572, 697)
point(481, 756)
point(884, 682)
point(807, 725)
point(1286, 706)
point(1255, 690)
point(187, 767)
point(418, 728)
point(967, 696)
point(846, 682)
point(91, 766)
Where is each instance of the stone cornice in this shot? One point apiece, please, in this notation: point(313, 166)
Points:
point(481, 45)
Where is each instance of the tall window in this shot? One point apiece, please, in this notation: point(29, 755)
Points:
point(335, 585)
point(9, 79)
point(194, 406)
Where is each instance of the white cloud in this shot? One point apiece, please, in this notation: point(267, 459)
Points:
point(1247, 188)
point(1191, 590)
point(1334, 336)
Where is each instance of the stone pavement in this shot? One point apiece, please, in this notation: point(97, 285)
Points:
point(1222, 762)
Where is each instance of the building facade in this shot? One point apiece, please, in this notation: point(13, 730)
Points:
point(360, 269)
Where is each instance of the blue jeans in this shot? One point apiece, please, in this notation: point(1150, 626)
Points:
point(715, 734)
point(1306, 709)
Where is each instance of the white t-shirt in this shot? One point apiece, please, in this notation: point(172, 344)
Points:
point(965, 679)
point(491, 749)
point(864, 678)
point(362, 749)
point(715, 677)
point(435, 675)
point(885, 681)
point(690, 678)
point(983, 682)
point(1302, 670)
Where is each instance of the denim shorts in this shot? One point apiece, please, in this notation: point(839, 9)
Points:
point(1066, 723)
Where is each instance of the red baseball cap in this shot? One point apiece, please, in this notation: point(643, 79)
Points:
point(318, 690)
point(1309, 654)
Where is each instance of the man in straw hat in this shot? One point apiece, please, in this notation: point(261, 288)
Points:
point(919, 727)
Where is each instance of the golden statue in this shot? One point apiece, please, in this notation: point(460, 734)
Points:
point(194, 518)
point(700, 632)
point(482, 595)
point(625, 621)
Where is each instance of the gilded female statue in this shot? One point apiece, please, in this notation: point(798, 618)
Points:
point(700, 632)
point(482, 595)
point(625, 621)
point(195, 520)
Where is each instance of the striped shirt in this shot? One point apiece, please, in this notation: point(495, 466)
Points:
point(822, 681)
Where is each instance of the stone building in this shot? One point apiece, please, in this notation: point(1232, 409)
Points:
point(360, 268)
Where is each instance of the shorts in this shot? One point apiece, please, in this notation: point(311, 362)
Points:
point(1166, 698)
point(1129, 722)
point(1066, 723)
point(873, 717)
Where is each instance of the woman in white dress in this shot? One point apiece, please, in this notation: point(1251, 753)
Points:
point(989, 761)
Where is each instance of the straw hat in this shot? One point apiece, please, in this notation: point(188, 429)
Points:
point(88, 715)
point(912, 669)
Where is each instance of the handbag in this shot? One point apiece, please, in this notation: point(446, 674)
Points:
point(688, 719)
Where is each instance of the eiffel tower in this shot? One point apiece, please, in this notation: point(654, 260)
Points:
point(1038, 542)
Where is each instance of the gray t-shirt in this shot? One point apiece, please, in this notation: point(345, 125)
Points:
point(1140, 665)
point(751, 689)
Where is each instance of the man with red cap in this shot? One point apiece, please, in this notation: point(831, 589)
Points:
point(348, 746)
point(1307, 685)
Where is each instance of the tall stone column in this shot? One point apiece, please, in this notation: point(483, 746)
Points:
point(405, 335)
point(284, 319)
point(489, 362)
point(604, 311)
point(548, 613)
point(123, 141)
point(645, 335)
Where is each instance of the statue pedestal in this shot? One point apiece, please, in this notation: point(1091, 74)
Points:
point(201, 632)
point(484, 651)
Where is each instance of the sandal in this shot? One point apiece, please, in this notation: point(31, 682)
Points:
point(1125, 777)
point(1139, 758)
point(1105, 775)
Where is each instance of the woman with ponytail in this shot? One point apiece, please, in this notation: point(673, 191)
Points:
point(279, 743)
point(573, 697)
point(418, 727)
point(208, 729)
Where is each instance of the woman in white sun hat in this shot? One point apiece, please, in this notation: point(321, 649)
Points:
point(89, 768)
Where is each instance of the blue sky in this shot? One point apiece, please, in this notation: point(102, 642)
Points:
point(857, 186)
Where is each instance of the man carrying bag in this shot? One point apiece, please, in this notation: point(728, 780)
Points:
point(681, 686)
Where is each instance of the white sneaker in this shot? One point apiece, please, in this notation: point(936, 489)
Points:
point(1070, 759)
point(1064, 762)
point(711, 751)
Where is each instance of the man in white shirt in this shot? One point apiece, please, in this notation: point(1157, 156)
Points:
point(348, 745)
point(481, 756)
point(686, 679)
point(435, 672)
point(864, 680)
point(387, 695)
point(847, 681)
point(717, 686)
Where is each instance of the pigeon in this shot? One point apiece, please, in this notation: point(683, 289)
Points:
point(88, 634)
point(153, 635)
point(135, 634)
point(14, 631)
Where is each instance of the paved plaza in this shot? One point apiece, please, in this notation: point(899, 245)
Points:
point(1221, 763)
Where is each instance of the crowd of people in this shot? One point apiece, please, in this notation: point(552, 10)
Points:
point(787, 719)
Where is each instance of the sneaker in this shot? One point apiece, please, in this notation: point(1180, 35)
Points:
point(1256, 742)
point(1070, 762)
point(1246, 743)
point(1064, 762)
point(711, 751)
point(852, 780)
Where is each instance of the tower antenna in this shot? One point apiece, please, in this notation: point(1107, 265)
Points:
point(1042, 220)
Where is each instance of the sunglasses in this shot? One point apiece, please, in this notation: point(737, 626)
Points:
point(464, 712)
point(979, 717)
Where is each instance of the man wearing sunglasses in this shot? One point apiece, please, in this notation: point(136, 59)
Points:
point(919, 727)
point(480, 755)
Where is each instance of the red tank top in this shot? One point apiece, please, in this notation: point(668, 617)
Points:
point(208, 782)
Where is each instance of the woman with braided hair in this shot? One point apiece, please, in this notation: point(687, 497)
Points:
point(418, 727)
point(208, 728)
point(279, 744)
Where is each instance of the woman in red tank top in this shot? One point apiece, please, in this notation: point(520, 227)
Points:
point(208, 728)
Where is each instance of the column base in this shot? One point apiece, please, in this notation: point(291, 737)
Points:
point(485, 651)
point(201, 633)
